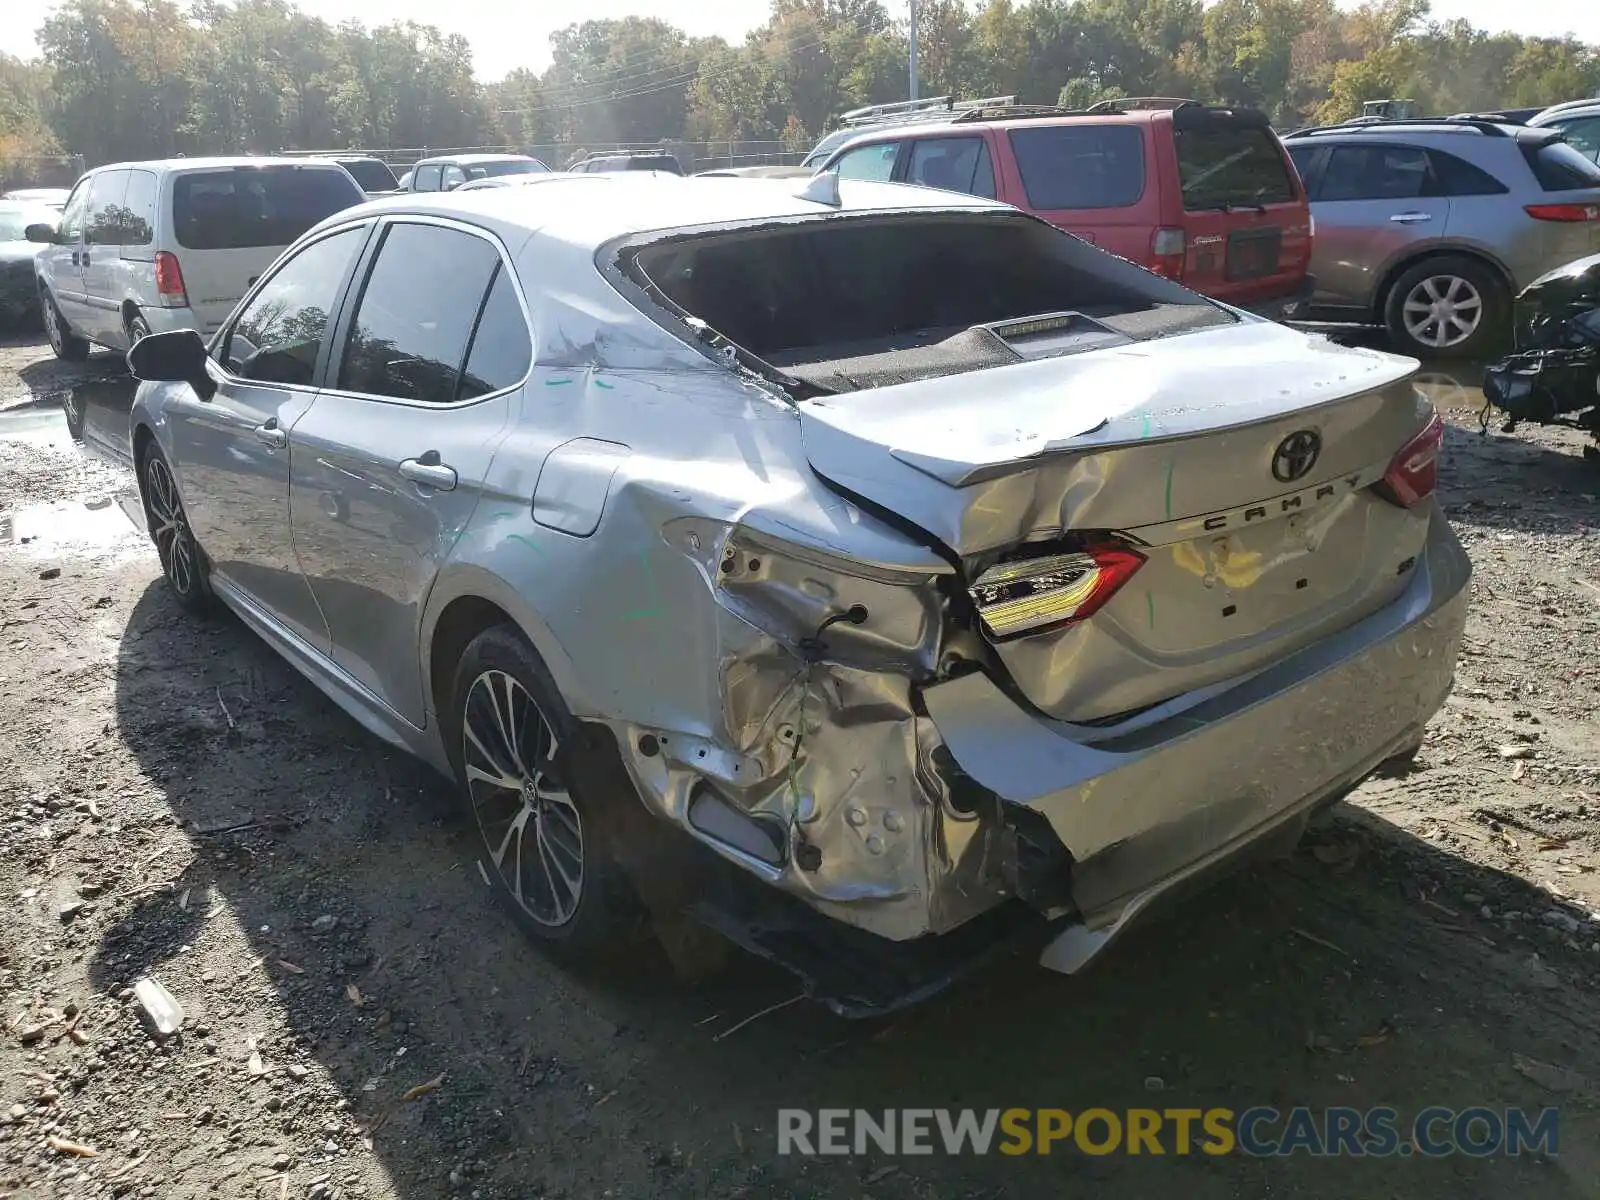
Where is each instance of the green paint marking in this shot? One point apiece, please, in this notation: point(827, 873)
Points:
point(1145, 432)
point(526, 541)
point(556, 382)
point(1150, 602)
point(1169, 489)
point(601, 383)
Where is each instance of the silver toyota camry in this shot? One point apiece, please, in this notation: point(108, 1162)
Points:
point(878, 573)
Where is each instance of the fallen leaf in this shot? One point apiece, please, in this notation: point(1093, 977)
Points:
point(355, 995)
point(290, 967)
point(1552, 843)
point(1516, 752)
point(62, 1146)
point(422, 1089)
point(1519, 771)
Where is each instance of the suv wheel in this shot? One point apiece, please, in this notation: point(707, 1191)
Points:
point(67, 345)
point(1447, 307)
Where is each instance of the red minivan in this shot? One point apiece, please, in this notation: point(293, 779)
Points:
point(1207, 196)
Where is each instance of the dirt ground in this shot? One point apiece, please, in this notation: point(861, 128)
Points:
point(362, 1022)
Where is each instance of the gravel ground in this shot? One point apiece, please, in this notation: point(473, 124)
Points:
point(361, 1021)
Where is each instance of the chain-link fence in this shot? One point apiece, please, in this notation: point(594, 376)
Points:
point(692, 156)
point(39, 170)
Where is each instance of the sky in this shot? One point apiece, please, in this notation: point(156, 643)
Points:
point(506, 34)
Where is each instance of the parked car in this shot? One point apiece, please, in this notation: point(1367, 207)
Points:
point(901, 112)
point(19, 297)
point(761, 172)
point(372, 174)
point(1430, 227)
point(633, 160)
point(173, 244)
point(1203, 195)
point(790, 555)
point(1578, 121)
point(446, 172)
point(55, 198)
point(405, 181)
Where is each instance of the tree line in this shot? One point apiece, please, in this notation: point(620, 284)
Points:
point(127, 79)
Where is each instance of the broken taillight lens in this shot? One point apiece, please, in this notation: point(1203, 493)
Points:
point(1414, 472)
point(1015, 599)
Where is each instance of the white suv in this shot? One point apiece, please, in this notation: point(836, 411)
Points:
point(1579, 123)
point(151, 246)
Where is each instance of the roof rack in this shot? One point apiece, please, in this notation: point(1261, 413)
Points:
point(935, 108)
point(1007, 112)
point(1123, 103)
point(1489, 127)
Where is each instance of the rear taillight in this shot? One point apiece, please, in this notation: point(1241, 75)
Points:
point(1571, 213)
point(1167, 249)
point(1015, 599)
point(1414, 472)
point(169, 280)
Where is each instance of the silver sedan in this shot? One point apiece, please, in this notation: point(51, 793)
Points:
point(878, 573)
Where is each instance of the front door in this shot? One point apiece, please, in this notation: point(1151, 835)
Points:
point(101, 256)
point(233, 453)
point(389, 462)
point(65, 259)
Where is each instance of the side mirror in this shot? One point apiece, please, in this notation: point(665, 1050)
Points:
point(40, 232)
point(175, 357)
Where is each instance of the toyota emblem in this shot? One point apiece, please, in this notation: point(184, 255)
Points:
point(1296, 455)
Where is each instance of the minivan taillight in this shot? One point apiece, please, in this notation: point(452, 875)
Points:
point(1563, 212)
point(1033, 595)
point(1167, 249)
point(169, 281)
point(1414, 472)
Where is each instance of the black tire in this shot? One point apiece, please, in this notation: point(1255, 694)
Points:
point(137, 328)
point(553, 826)
point(1465, 290)
point(68, 346)
point(182, 562)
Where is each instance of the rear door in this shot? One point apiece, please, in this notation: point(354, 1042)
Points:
point(389, 462)
point(956, 164)
point(1092, 179)
point(1246, 223)
point(102, 248)
point(230, 224)
point(1374, 202)
point(133, 274)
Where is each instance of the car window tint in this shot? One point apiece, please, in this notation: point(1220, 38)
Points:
point(71, 226)
point(372, 175)
point(103, 225)
point(454, 176)
point(954, 164)
point(1303, 157)
point(1560, 168)
point(279, 332)
point(874, 162)
point(428, 177)
point(1222, 163)
point(416, 312)
point(1457, 177)
point(1080, 166)
point(501, 349)
point(1583, 135)
point(1375, 173)
point(256, 206)
point(139, 209)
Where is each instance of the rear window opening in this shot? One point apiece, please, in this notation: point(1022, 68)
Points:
point(1222, 165)
point(841, 304)
point(249, 207)
point(372, 174)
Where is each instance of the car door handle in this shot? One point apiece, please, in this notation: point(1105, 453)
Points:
point(271, 436)
point(429, 472)
point(1410, 218)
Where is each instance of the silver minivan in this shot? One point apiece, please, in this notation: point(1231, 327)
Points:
point(146, 247)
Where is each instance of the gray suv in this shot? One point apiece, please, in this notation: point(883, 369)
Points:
point(1431, 227)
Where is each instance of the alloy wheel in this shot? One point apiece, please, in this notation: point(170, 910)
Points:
point(169, 527)
point(1443, 311)
point(525, 813)
point(52, 324)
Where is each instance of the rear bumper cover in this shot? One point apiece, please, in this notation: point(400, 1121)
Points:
point(1294, 305)
point(1143, 813)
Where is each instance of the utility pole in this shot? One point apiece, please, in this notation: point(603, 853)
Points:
point(913, 95)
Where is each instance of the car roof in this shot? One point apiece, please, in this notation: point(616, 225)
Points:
point(591, 210)
point(475, 158)
point(176, 165)
point(1421, 127)
point(958, 127)
point(1569, 109)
